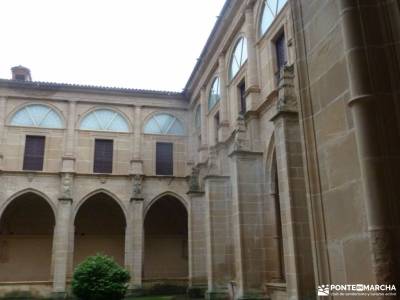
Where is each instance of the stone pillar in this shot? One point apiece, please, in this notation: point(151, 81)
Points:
point(224, 122)
point(204, 128)
point(134, 235)
point(197, 244)
point(252, 85)
point(292, 192)
point(136, 162)
point(61, 238)
point(3, 102)
point(247, 212)
point(68, 159)
point(219, 244)
point(377, 138)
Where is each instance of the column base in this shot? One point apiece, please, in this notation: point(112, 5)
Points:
point(135, 291)
point(59, 295)
point(254, 296)
point(217, 295)
point(196, 291)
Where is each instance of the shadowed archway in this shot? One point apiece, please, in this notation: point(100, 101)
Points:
point(26, 238)
point(99, 228)
point(166, 240)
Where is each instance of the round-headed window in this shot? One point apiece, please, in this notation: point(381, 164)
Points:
point(215, 95)
point(104, 120)
point(270, 10)
point(238, 58)
point(37, 115)
point(163, 123)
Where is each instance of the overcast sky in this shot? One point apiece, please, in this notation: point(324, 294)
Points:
point(149, 44)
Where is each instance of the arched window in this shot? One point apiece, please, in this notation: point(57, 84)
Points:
point(37, 115)
point(215, 95)
point(270, 10)
point(104, 120)
point(164, 124)
point(197, 117)
point(238, 58)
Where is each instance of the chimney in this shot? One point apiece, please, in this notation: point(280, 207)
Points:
point(21, 73)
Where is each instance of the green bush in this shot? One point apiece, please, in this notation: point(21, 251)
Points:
point(99, 277)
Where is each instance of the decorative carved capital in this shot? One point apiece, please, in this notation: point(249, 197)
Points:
point(286, 94)
point(66, 186)
point(137, 180)
point(240, 141)
point(194, 185)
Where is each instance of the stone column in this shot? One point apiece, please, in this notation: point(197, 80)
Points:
point(292, 192)
point(197, 244)
point(252, 85)
point(372, 112)
point(68, 159)
point(3, 102)
point(247, 212)
point(61, 238)
point(219, 244)
point(134, 235)
point(204, 128)
point(224, 122)
point(136, 162)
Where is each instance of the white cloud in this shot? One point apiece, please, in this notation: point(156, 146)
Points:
point(150, 44)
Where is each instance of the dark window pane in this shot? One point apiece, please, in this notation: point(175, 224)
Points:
point(103, 156)
point(242, 92)
point(280, 51)
point(34, 152)
point(164, 159)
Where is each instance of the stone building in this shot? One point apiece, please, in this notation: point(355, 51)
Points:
point(273, 172)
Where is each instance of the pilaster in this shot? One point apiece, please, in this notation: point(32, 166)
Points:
point(134, 235)
point(219, 245)
point(197, 243)
point(224, 123)
point(252, 84)
point(3, 102)
point(68, 159)
point(62, 233)
point(247, 212)
point(292, 192)
point(204, 128)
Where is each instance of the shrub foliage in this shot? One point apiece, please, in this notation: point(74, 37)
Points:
point(99, 277)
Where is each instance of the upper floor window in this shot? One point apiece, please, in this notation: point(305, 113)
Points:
point(104, 120)
point(34, 153)
point(215, 95)
point(164, 124)
point(164, 159)
point(37, 115)
point(270, 10)
point(238, 58)
point(280, 51)
point(103, 156)
point(197, 117)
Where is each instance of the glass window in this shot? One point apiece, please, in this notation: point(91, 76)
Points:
point(215, 95)
point(164, 159)
point(103, 156)
point(197, 117)
point(34, 153)
point(239, 56)
point(104, 120)
point(37, 115)
point(270, 10)
point(164, 124)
